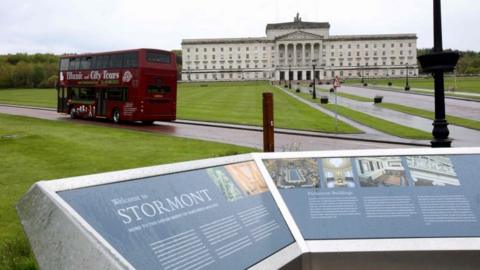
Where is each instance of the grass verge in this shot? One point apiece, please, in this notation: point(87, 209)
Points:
point(454, 120)
point(45, 98)
point(33, 149)
point(380, 124)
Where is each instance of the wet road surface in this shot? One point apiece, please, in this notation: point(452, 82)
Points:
point(251, 138)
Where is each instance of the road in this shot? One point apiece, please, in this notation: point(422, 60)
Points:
point(455, 107)
point(231, 135)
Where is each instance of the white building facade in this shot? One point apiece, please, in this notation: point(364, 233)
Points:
point(290, 51)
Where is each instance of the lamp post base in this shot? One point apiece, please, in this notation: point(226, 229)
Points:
point(441, 143)
point(440, 134)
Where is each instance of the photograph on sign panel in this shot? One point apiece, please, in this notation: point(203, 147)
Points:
point(432, 171)
point(248, 177)
point(338, 172)
point(225, 183)
point(294, 173)
point(381, 172)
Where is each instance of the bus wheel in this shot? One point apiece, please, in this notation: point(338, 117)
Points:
point(116, 116)
point(73, 113)
point(147, 123)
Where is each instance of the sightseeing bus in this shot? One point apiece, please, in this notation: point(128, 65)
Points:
point(130, 85)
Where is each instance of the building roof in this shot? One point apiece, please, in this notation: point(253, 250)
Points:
point(297, 25)
point(371, 37)
point(226, 40)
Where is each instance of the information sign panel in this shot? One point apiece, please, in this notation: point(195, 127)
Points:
point(408, 196)
point(215, 218)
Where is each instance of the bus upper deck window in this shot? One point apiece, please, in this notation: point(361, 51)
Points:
point(64, 64)
point(158, 57)
point(158, 89)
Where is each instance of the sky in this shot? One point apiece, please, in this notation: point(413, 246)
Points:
point(74, 26)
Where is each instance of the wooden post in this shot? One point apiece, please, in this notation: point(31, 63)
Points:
point(268, 128)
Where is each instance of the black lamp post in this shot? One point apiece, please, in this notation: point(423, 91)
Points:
point(289, 77)
point(438, 62)
point(314, 93)
point(407, 86)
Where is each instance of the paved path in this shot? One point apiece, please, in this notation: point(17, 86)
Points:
point(245, 137)
point(462, 137)
point(456, 107)
point(370, 133)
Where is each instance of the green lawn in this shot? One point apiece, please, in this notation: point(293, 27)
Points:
point(242, 104)
point(31, 97)
point(380, 124)
point(454, 120)
point(33, 149)
point(464, 84)
point(236, 103)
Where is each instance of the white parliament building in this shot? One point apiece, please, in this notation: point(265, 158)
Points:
point(290, 50)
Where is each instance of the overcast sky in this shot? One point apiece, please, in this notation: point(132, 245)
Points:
point(103, 25)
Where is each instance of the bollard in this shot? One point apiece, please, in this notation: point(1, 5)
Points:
point(268, 128)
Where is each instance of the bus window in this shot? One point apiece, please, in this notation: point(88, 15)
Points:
point(93, 63)
point(130, 59)
point(117, 94)
point(64, 64)
point(102, 61)
point(153, 89)
point(158, 57)
point(86, 94)
point(73, 64)
point(115, 61)
point(85, 62)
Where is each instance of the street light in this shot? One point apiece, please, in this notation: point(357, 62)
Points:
point(407, 86)
point(289, 77)
point(313, 83)
point(438, 62)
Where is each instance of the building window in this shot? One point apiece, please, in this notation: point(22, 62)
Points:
point(393, 45)
point(383, 45)
point(247, 49)
point(341, 46)
point(205, 57)
point(213, 49)
point(349, 46)
point(204, 49)
point(188, 50)
point(333, 47)
point(213, 57)
point(366, 46)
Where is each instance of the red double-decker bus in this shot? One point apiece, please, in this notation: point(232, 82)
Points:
point(131, 85)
